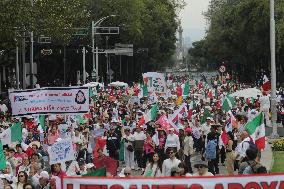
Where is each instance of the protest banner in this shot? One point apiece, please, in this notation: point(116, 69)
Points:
point(156, 82)
point(275, 181)
point(61, 152)
point(65, 100)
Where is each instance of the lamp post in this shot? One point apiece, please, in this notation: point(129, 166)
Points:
point(32, 56)
point(96, 65)
point(273, 71)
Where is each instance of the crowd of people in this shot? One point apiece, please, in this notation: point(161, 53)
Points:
point(110, 136)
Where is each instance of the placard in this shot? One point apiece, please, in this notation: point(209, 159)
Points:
point(61, 151)
point(156, 82)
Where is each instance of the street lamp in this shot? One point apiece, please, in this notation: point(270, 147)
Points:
point(273, 71)
point(96, 65)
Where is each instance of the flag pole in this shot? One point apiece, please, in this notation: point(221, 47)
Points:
point(273, 71)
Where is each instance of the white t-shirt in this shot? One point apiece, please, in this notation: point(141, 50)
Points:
point(3, 108)
point(206, 129)
point(168, 164)
point(242, 147)
point(139, 136)
point(264, 102)
point(172, 141)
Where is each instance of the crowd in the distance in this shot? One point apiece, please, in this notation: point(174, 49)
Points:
point(110, 137)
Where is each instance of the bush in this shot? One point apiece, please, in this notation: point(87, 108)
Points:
point(278, 145)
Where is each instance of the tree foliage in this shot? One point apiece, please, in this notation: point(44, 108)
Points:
point(148, 24)
point(238, 34)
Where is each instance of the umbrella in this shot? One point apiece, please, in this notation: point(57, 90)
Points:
point(118, 84)
point(247, 93)
point(93, 84)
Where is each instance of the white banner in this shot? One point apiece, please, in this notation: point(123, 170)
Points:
point(61, 151)
point(68, 100)
point(156, 82)
point(218, 182)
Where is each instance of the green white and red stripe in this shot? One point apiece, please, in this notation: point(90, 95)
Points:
point(256, 129)
point(149, 116)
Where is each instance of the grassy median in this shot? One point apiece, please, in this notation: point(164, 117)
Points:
point(278, 166)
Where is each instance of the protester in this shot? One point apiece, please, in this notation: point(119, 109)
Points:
point(154, 167)
point(230, 154)
point(201, 169)
point(188, 149)
point(22, 180)
point(251, 166)
point(169, 163)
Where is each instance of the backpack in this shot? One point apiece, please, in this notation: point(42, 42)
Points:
point(254, 168)
point(210, 152)
point(252, 145)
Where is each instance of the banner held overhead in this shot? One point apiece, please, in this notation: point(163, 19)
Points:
point(65, 100)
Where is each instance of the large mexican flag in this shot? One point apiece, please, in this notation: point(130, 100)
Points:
point(256, 129)
point(150, 116)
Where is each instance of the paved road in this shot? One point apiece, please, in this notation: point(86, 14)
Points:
point(266, 160)
point(195, 158)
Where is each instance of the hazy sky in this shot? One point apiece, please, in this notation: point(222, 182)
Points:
point(192, 20)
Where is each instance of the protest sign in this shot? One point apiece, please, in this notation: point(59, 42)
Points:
point(63, 129)
point(133, 100)
point(66, 100)
point(218, 182)
point(98, 132)
point(155, 82)
point(61, 151)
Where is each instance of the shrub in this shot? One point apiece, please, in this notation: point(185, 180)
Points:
point(278, 145)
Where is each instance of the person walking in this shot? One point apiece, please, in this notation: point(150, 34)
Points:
point(112, 144)
point(188, 148)
point(172, 141)
point(139, 139)
point(154, 168)
point(169, 163)
point(128, 148)
point(230, 159)
point(202, 169)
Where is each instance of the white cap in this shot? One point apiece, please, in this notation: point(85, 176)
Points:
point(44, 174)
point(89, 165)
point(29, 117)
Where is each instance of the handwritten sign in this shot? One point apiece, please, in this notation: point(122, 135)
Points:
point(98, 132)
point(156, 82)
point(68, 100)
point(61, 151)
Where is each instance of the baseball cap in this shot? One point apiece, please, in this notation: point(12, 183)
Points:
point(44, 174)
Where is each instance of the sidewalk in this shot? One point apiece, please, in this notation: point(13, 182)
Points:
point(267, 157)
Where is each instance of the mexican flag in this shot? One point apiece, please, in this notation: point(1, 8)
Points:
point(101, 172)
point(13, 134)
point(40, 120)
point(266, 84)
point(256, 129)
point(150, 116)
point(190, 109)
point(2, 157)
point(185, 89)
point(205, 115)
point(143, 90)
point(228, 103)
